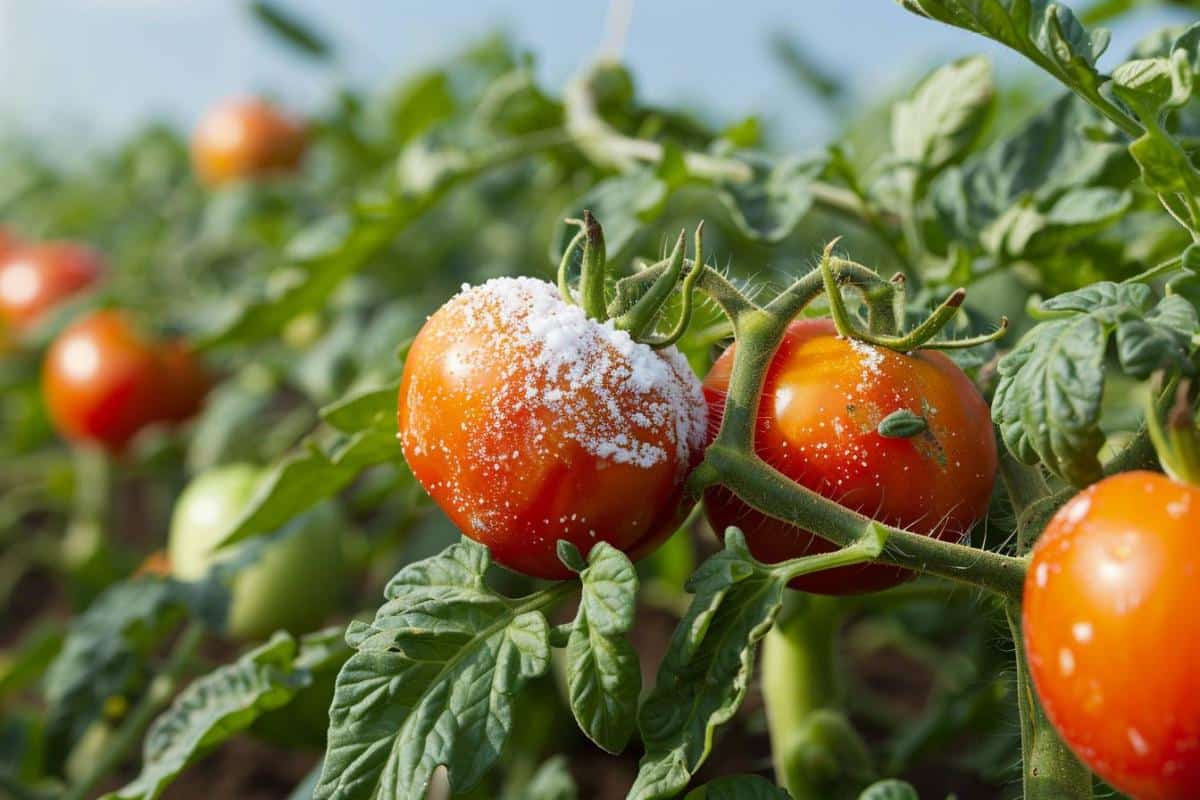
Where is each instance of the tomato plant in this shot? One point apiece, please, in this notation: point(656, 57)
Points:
point(250, 138)
point(826, 420)
point(949, 358)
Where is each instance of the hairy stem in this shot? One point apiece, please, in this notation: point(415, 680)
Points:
point(1050, 770)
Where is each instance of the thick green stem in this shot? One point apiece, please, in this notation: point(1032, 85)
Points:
point(156, 697)
point(1050, 770)
point(812, 744)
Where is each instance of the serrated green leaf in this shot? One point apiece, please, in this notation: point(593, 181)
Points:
point(707, 669)
point(432, 681)
point(1047, 403)
point(1048, 399)
point(1046, 185)
point(105, 654)
point(604, 678)
point(738, 787)
point(889, 790)
point(1162, 339)
point(944, 115)
point(770, 205)
point(1045, 32)
point(306, 478)
point(211, 710)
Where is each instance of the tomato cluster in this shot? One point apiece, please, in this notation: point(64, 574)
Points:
point(104, 380)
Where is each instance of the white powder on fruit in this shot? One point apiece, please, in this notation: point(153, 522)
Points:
point(613, 396)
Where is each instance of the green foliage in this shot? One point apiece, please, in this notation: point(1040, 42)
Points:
point(432, 680)
point(1047, 403)
point(709, 663)
point(738, 787)
point(217, 706)
point(603, 675)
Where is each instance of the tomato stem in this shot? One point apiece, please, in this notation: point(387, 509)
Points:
point(1050, 770)
point(564, 265)
point(813, 746)
point(591, 273)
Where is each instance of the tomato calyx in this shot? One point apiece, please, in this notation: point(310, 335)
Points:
point(921, 336)
point(638, 317)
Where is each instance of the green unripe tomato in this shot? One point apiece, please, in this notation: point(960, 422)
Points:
point(291, 578)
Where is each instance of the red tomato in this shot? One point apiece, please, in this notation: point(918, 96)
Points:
point(187, 381)
point(36, 278)
point(246, 139)
point(1110, 627)
point(528, 423)
point(822, 403)
point(103, 381)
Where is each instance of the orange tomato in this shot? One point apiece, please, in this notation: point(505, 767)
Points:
point(529, 423)
point(818, 420)
point(1110, 630)
point(246, 139)
point(35, 278)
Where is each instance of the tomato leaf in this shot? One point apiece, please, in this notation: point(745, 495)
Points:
point(738, 787)
point(708, 666)
point(1046, 33)
point(287, 28)
point(771, 204)
point(304, 479)
point(889, 790)
point(371, 407)
point(1047, 401)
point(603, 675)
point(944, 115)
point(212, 709)
point(1048, 184)
point(433, 680)
point(106, 651)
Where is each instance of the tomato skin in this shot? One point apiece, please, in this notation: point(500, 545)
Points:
point(528, 423)
point(188, 381)
point(1110, 630)
point(297, 577)
point(821, 405)
point(36, 278)
point(102, 380)
point(246, 138)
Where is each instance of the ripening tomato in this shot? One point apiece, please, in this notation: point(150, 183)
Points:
point(290, 579)
point(103, 380)
point(528, 422)
point(821, 406)
point(246, 139)
point(35, 278)
point(1110, 630)
point(187, 381)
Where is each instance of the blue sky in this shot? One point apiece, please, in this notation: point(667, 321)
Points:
point(92, 69)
